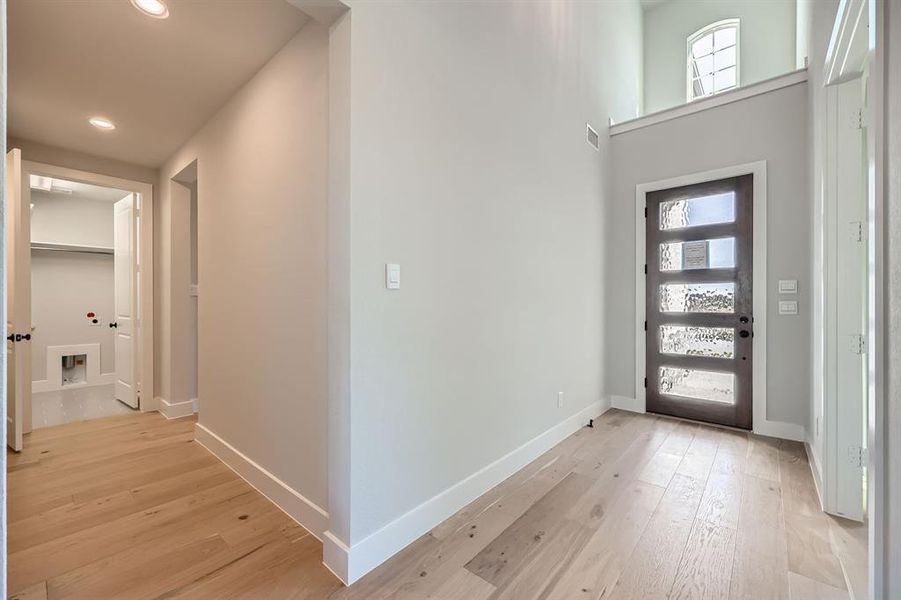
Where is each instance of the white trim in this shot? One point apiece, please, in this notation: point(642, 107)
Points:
point(878, 495)
point(308, 514)
point(701, 104)
point(349, 564)
point(144, 349)
point(816, 471)
point(176, 410)
point(626, 403)
point(848, 52)
point(762, 425)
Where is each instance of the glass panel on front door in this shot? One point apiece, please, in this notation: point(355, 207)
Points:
point(699, 301)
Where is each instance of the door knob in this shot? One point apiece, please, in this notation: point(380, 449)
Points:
point(743, 319)
point(116, 325)
point(744, 333)
point(26, 337)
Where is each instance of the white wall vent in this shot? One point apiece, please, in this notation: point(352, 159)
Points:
point(591, 136)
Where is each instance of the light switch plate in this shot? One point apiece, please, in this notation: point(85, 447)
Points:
point(392, 276)
point(788, 307)
point(788, 286)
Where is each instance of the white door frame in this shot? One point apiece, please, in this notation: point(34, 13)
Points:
point(858, 45)
point(762, 425)
point(144, 349)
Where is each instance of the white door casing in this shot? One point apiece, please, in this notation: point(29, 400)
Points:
point(125, 267)
point(18, 263)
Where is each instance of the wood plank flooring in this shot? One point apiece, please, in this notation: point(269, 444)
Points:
point(131, 507)
point(637, 507)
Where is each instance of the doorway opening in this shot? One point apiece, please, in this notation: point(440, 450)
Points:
point(76, 315)
point(76, 297)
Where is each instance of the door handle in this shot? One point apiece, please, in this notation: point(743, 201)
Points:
point(116, 325)
point(744, 333)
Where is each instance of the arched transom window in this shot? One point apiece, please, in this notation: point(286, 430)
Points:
point(713, 59)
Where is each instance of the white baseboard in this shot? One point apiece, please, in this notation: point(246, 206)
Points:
point(816, 471)
point(176, 410)
point(626, 403)
point(780, 429)
point(349, 564)
point(310, 516)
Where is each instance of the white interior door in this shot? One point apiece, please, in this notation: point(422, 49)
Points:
point(125, 324)
point(18, 298)
point(846, 305)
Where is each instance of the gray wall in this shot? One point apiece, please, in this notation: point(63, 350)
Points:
point(767, 45)
point(261, 263)
point(65, 286)
point(470, 168)
point(771, 127)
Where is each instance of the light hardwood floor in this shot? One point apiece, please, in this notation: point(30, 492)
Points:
point(637, 507)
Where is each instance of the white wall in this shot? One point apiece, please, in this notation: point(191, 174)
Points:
point(66, 286)
point(261, 186)
point(767, 44)
point(771, 127)
point(469, 167)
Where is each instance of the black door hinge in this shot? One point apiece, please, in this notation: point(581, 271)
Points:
point(645, 325)
point(645, 212)
point(646, 268)
point(645, 382)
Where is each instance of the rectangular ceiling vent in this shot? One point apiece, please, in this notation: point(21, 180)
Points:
point(591, 136)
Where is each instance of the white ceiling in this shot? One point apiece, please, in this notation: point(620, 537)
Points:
point(159, 80)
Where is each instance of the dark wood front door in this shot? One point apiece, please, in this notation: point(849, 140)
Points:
point(699, 301)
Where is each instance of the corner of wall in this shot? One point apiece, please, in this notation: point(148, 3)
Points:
point(352, 563)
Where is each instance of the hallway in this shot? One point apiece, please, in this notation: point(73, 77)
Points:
point(695, 511)
point(131, 507)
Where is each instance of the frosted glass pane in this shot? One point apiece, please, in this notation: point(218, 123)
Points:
point(702, 46)
point(724, 37)
point(693, 383)
point(697, 297)
point(692, 212)
point(720, 255)
point(724, 58)
point(723, 80)
point(716, 342)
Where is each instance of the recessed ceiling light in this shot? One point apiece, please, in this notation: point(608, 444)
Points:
point(101, 123)
point(152, 8)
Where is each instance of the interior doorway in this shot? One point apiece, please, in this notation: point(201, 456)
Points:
point(699, 325)
point(78, 315)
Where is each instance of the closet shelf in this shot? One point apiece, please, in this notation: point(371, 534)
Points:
point(71, 248)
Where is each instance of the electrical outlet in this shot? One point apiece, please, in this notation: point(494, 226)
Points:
point(559, 399)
